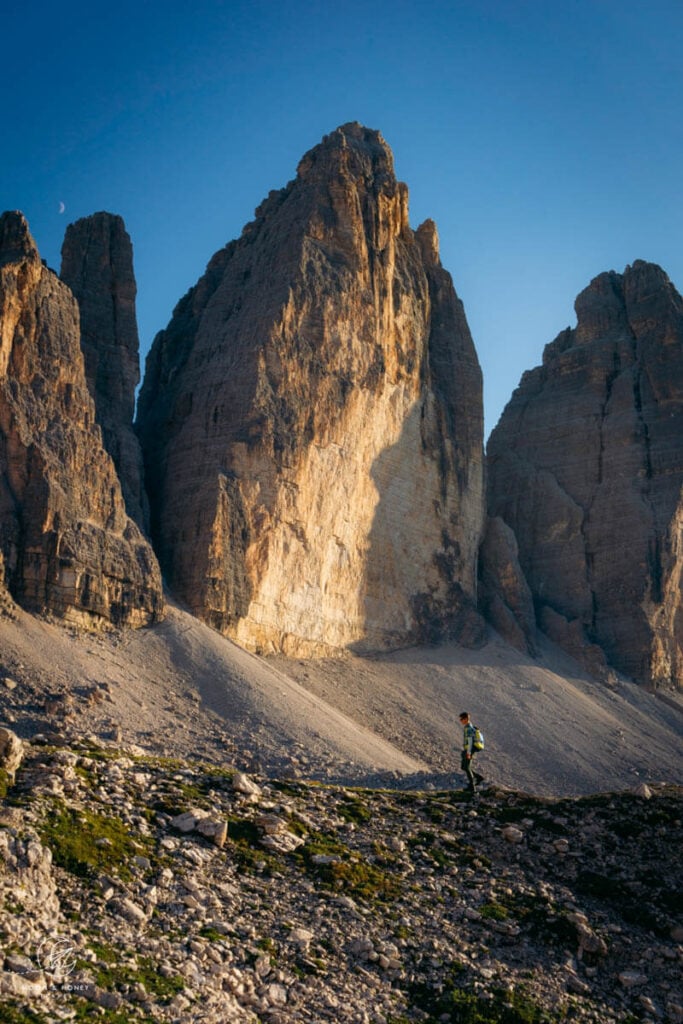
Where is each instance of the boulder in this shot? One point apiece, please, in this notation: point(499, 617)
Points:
point(11, 752)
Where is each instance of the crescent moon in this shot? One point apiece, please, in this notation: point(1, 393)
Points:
point(62, 207)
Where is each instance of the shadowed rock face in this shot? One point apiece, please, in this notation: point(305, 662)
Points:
point(504, 595)
point(586, 466)
point(312, 425)
point(97, 265)
point(67, 545)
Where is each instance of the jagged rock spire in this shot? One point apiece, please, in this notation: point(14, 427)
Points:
point(312, 425)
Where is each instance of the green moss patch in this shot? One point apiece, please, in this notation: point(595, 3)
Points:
point(347, 870)
point(86, 843)
point(455, 1005)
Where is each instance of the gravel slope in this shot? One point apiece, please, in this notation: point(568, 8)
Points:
point(182, 688)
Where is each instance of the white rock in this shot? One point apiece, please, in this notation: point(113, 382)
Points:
point(300, 937)
point(283, 842)
point(130, 911)
point(631, 979)
point(276, 995)
point(187, 821)
point(19, 985)
point(513, 835)
point(216, 831)
point(243, 784)
point(11, 751)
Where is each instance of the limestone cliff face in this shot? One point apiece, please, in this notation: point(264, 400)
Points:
point(97, 265)
point(586, 466)
point(311, 421)
point(67, 544)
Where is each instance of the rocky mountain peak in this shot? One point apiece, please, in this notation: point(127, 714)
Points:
point(586, 467)
point(353, 150)
point(66, 543)
point(97, 265)
point(16, 243)
point(322, 364)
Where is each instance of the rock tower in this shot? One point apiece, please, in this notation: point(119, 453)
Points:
point(67, 545)
point(586, 466)
point(97, 265)
point(311, 421)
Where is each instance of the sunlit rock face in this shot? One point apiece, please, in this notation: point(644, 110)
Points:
point(586, 466)
point(311, 421)
point(66, 543)
point(97, 265)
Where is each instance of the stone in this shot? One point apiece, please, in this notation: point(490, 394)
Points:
point(632, 979)
point(649, 1006)
point(11, 752)
point(97, 265)
point(311, 422)
point(129, 910)
point(68, 546)
point(241, 783)
point(271, 824)
point(586, 467)
point(301, 937)
point(22, 986)
point(589, 941)
point(577, 985)
point(187, 821)
point(513, 835)
point(216, 831)
point(282, 842)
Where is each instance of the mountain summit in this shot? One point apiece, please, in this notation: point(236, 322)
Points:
point(67, 545)
point(586, 466)
point(311, 420)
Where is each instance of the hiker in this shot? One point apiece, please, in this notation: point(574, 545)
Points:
point(472, 742)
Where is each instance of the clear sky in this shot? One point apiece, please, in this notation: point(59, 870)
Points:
point(545, 139)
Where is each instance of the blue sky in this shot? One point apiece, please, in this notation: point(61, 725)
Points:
point(545, 139)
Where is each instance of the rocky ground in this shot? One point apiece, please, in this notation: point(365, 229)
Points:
point(196, 834)
point(137, 888)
